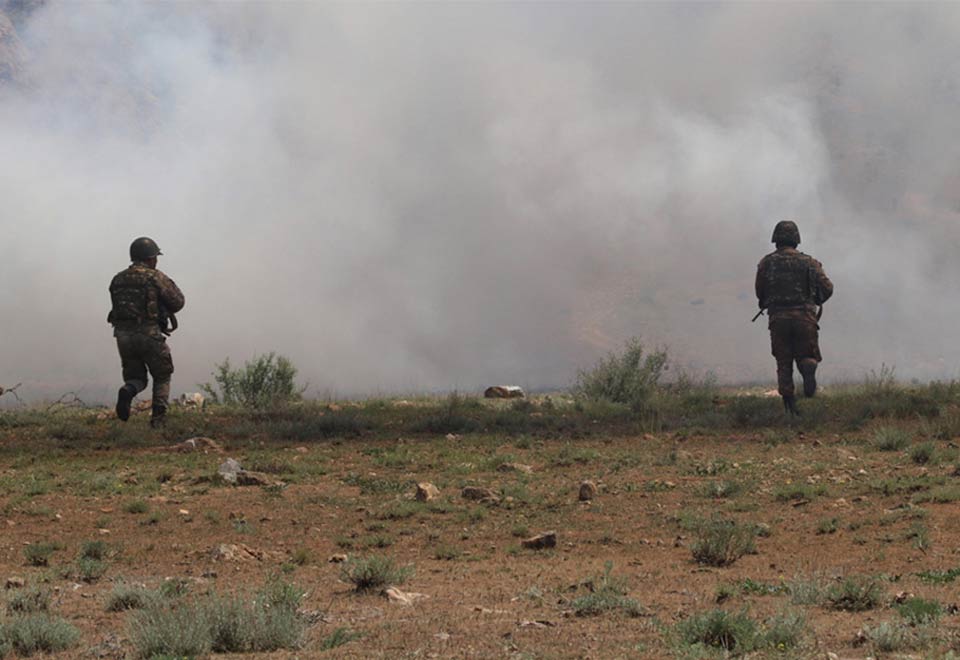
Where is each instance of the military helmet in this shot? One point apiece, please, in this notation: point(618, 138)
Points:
point(144, 248)
point(786, 232)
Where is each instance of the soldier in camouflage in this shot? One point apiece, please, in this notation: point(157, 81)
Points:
point(792, 286)
point(142, 299)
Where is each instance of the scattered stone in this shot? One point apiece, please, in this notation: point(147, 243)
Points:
point(478, 494)
point(240, 552)
point(902, 597)
point(228, 470)
point(15, 582)
point(337, 559)
point(426, 492)
point(184, 512)
point(515, 467)
point(452, 436)
point(205, 445)
point(536, 624)
point(588, 491)
point(302, 450)
point(540, 541)
point(504, 392)
point(193, 400)
point(394, 595)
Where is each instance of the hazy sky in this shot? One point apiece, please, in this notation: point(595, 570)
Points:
point(426, 196)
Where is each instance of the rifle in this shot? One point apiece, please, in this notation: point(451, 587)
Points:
point(762, 310)
point(166, 320)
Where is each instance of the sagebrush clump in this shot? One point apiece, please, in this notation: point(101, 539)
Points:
point(266, 381)
point(630, 378)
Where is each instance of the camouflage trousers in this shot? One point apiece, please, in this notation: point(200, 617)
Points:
point(793, 340)
point(140, 353)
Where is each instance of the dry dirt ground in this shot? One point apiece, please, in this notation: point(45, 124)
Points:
point(826, 507)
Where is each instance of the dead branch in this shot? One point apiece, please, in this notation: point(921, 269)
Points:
point(13, 391)
point(68, 400)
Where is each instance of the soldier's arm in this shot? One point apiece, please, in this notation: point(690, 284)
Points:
point(824, 285)
point(170, 294)
point(760, 286)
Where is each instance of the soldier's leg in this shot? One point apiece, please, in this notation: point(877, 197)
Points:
point(160, 362)
point(781, 335)
point(807, 350)
point(134, 374)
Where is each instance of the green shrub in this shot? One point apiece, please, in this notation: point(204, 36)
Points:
point(719, 629)
point(721, 489)
point(607, 594)
point(630, 378)
point(38, 633)
point(94, 550)
point(29, 601)
point(161, 631)
point(90, 570)
point(126, 597)
point(137, 506)
point(828, 525)
point(38, 554)
point(784, 631)
point(367, 574)
point(889, 438)
point(266, 381)
point(722, 542)
point(855, 594)
point(893, 636)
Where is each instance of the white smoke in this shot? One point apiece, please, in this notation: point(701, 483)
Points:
point(419, 197)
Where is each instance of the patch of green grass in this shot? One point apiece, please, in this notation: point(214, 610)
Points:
point(520, 531)
point(400, 510)
point(919, 535)
point(721, 489)
point(920, 611)
point(370, 573)
point(570, 455)
point(608, 594)
point(722, 542)
point(29, 601)
point(378, 541)
point(938, 495)
point(856, 593)
point(894, 636)
point(172, 588)
point(828, 526)
point(798, 492)
point(810, 590)
point(94, 550)
point(38, 554)
point(890, 438)
point(301, 557)
point(733, 632)
point(939, 576)
point(338, 638)
point(447, 552)
point(180, 632)
point(90, 570)
point(38, 633)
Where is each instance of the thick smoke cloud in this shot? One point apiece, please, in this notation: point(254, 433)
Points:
point(420, 197)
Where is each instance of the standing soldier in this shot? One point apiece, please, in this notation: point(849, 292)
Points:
point(143, 300)
point(792, 287)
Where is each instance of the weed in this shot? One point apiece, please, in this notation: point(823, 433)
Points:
point(938, 576)
point(267, 381)
point(339, 637)
point(367, 574)
point(893, 636)
point(90, 570)
point(29, 601)
point(828, 526)
point(38, 554)
point(889, 438)
point(722, 542)
point(400, 511)
point(719, 629)
point(94, 550)
point(807, 590)
point(855, 594)
point(137, 506)
point(181, 632)
point(784, 631)
point(608, 594)
point(174, 588)
point(923, 453)
point(920, 611)
point(630, 378)
point(920, 536)
point(447, 552)
point(798, 492)
point(378, 541)
point(520, 531)
point(301, 557)
point(126, 597)
point(38, 633)
point(721, 489)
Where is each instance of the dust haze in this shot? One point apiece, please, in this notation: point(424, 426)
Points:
point(405, 197)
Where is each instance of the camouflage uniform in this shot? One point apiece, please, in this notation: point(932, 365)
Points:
point(141, 297)
point(791, 285)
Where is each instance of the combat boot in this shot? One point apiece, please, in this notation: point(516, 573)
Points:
point(808, 369)
point(790, 405)
point(158, 417)
point(124, 398)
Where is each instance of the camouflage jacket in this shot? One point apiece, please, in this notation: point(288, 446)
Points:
point(140, 296)
point(791, 285)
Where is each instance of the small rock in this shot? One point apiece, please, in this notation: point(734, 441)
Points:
point(903, 596)
point(337, 559)
point(515, 467)
point(228, 470)
point(426, 492)
point(832, 656)
point(184, 512)
point(302, 450)
point(588, 490)
point(394, 595)
point(477, 493)
point(536, 624)
point(15, 582)
point(452, 436)
point(540, 541)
